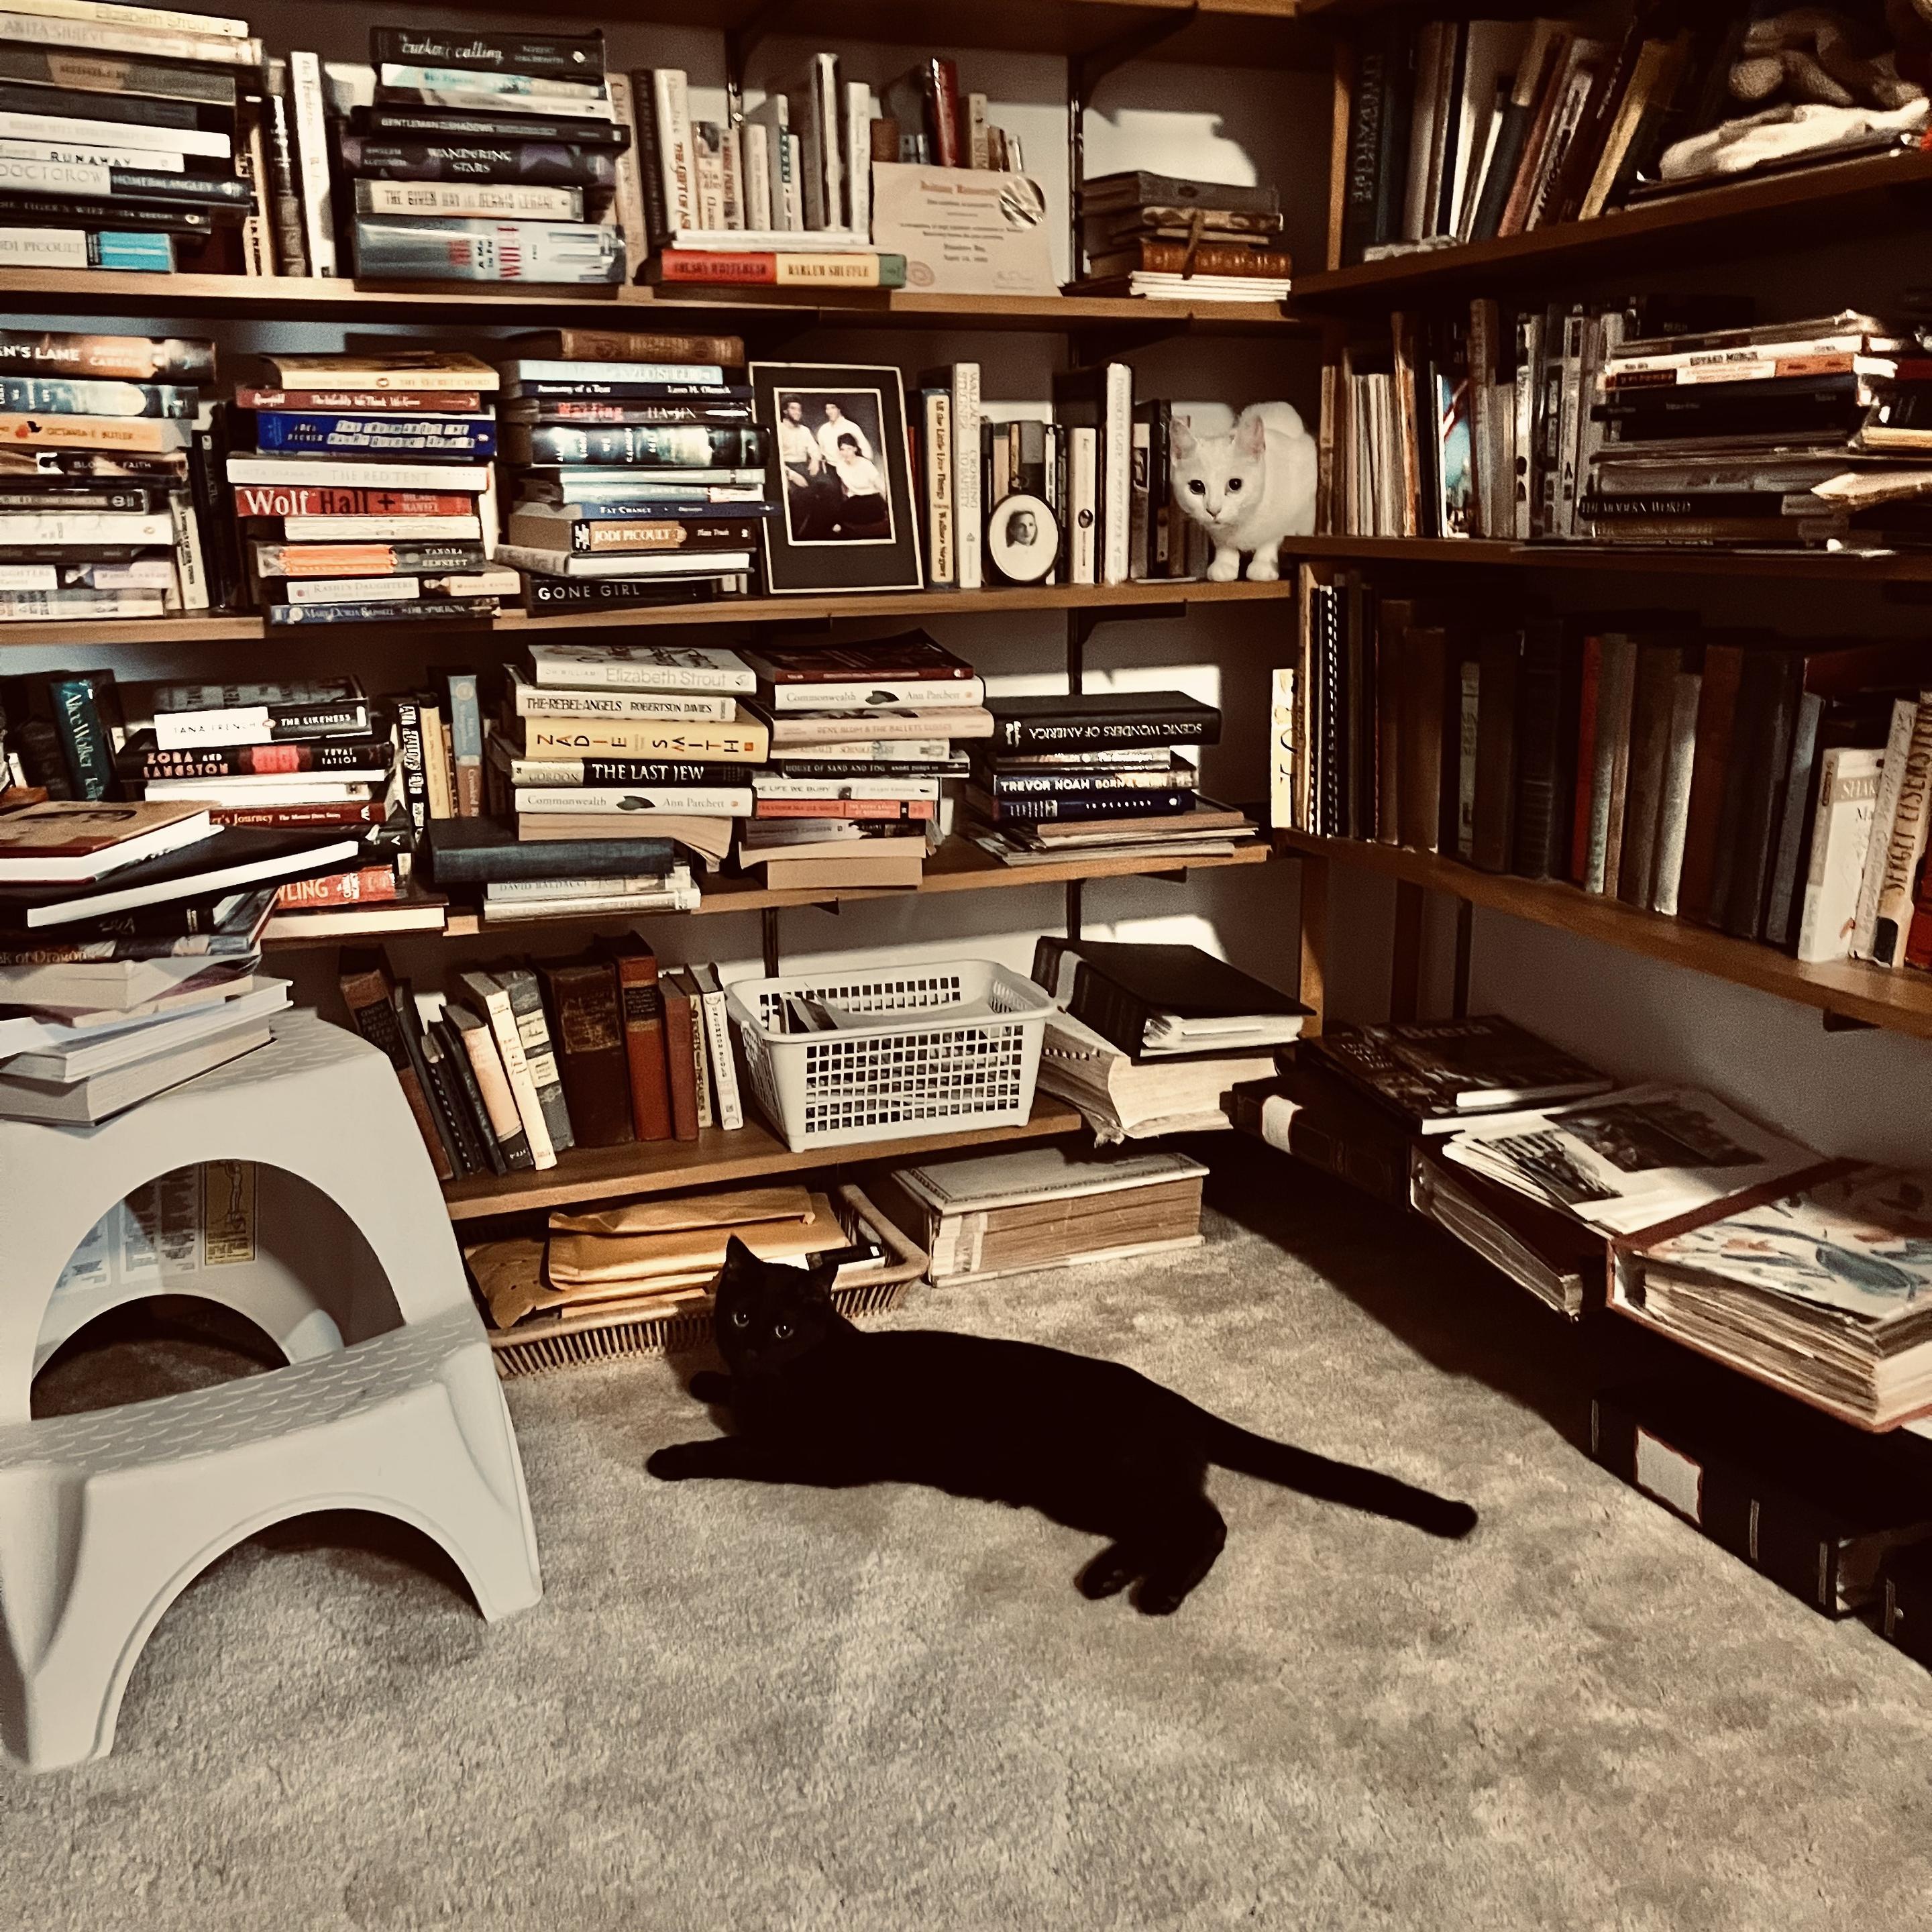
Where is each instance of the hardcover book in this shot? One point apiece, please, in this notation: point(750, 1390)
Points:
point(590, 1050)
point(1439, 1074)
point(1102, 720)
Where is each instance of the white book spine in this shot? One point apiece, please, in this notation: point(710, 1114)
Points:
point(1673, 817)
point(1841, 835)
point(496, 1005)
point(1082, 502)
point(756, 138)
point(793, 163)
point(381, 529)
point(311, 133)
point(152, 161)
point(969, 515)
point(1907, 845)
point(627, 204)
point(91, 527)
point(732, 152)
point(826, 114)
point(45, 127)
point(700, 801)
point(671, 101)
point(918, 695)
point(729, 1107)
point(149, 19)
point(700, 1074)
point(97, 37)
point(936, 461)
point(1891, 780)
point(1118, 450)
point(1282, 813)
point(327, 472)
point(858, 146)
point(189, 565)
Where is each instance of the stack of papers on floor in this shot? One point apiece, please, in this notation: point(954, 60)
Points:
point(1123, 1099)
point(983, 1215)
point(1825, 1291)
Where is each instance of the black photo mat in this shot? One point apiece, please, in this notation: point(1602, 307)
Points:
point(841, 476)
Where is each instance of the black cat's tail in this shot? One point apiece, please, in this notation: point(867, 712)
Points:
point(1240, 1449)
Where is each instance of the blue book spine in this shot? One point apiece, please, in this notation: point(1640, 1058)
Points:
point(144, 254)
point(468, 436)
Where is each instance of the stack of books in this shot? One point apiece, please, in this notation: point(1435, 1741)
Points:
point(1179, 240)
point(129, 942)
point(335, 537)
point(862, 736)
point(100, 476)
point(1150, 1040)
point(513, 1066)
point(782, 199)
point(479, 156)
point(132, 140)
point(981, 1217)
point(1811, 432)
point(639, 473)
point(600, 744)
point(410, 407)
point(930, 121)
point(1772, 788)
point(1464, 130)
point(1098, 772)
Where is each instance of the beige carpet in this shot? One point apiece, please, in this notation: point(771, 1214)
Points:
point(881, 1710)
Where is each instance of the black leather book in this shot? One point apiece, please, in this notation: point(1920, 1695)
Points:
point(1548, 689)
point(1102, 720)
point(1810, 1502)
point(485, 851)
point(1329, 1125)
point(1768, 767)
point(462, 1078)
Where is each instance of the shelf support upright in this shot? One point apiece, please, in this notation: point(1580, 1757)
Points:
point(768, 933)
point(1079, 628)
point(1084, 73)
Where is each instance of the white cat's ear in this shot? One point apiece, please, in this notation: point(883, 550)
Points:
point(1180, 439)
point(1251, 438)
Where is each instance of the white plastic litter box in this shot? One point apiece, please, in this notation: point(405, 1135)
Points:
point(835, 1059)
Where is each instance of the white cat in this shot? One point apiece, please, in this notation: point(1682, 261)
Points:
point(1248, 489)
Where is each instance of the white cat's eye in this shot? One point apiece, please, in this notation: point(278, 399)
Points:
point(1233, 484)
point(740, 1318)
point(781, 1331)
point(1199, 488)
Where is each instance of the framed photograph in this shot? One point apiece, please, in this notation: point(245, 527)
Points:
point(1023, 539)
point(840, 477)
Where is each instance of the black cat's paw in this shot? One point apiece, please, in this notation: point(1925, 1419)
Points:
point(708, 1385)
point(1453, 1520)
point(673, 1464)
point(1108, 1574)
point(1155, 1598)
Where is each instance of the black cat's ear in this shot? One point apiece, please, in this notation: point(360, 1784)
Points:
point(821, 1275)
point(739, 1259)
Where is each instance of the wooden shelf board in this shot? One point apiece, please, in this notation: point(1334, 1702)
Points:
point(1839, 193)
point(959, 866)
point(1627, 559)
point(714, 1159)
point(490, 305)
point(1174, 594)
point(1901, 1001)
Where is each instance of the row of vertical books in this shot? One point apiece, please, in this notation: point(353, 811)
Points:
point(508, 1068)
point(1773, 788)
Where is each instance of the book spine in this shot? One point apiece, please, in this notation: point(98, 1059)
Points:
point(1885, 814)
point(1083, 504)
point(278, 430)
point(969, 513)
point(308, 114)
point(1674, 814)
point(411, 756)
point(493, 1086)
point(700, 1070)
point(492, 1002)
point(643, 1004)
point(1469, 686)
point(525, 999)
point(464, 712)
point(467, 1091)
point(728, 1101)
point(680, 1047)
point(83, 734)
point(935, 453)
point(462, 1160)
point(288, 226)
point(1905, 849)
point(1117, 456)
point(366, 884)
point(1794, 821)
point(366, 998)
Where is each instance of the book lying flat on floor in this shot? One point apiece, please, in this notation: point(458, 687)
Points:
point(983, 1215)
point(1438, 1073)
point(1559, 1260)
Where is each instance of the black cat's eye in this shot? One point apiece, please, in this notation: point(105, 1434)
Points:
point(781, 1331)
point(1233, 484)
point(1199, 488)
point(740, 1318)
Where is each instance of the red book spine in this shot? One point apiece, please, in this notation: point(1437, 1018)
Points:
point(360, 887)
point(941, 80)
point(1586, 758)
point(368, 811)
point(846, 808)
point(363, 402)
point(748, 270)
point(642, 1001)
point(284, 500)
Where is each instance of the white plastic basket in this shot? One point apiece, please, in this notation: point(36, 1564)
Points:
point(926, 1049)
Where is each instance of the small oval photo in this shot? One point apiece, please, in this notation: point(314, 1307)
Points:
point(1023, 539)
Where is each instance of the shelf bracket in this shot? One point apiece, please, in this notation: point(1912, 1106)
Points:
point(1844, 1023)
point(768, 932)
point(1084, 73)
point(741, 42)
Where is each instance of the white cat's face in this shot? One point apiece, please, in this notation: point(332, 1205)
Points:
point(1217, 479)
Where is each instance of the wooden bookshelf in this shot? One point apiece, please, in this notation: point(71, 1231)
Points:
point(715, 1160)
point(1620, 559)
point(1826, 202)
point(447, 306)
point(1174, 594)
point(958, 866)
point(1901, 1001)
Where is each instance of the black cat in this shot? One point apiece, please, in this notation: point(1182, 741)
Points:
point(1090, 1443)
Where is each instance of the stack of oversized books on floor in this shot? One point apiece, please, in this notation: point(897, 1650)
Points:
point(1095, 772)
point(638, 473)
point(129, 946)
point(862, 736)
point(479, 156)
point(983, 1216)
point(1374, 1106)
point(1181, 241)
point(511, 1066)
point(136, 161)
point(610, 771)
point(411, 407)
point(1150, 1040)
point(99, 478)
